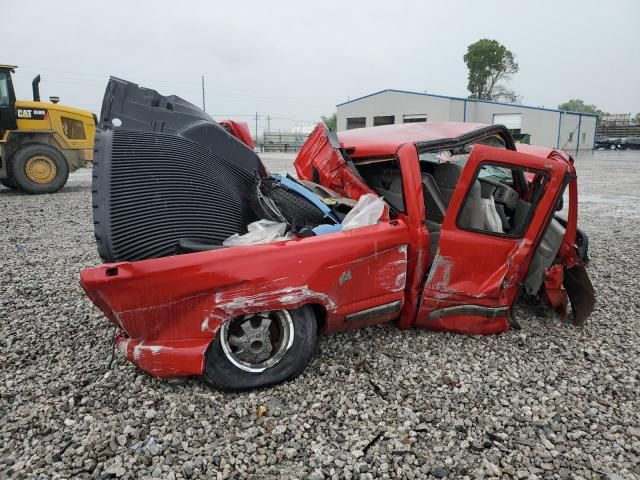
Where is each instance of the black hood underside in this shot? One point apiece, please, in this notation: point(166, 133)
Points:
point(164, 171)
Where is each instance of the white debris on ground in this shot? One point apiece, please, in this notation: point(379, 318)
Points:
point(549, 401)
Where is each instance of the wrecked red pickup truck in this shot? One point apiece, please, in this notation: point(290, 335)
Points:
point(469, 225)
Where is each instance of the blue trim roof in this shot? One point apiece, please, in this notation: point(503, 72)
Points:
point(468, 100)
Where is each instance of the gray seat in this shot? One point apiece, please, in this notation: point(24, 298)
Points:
point(446, 176)
point(434, 238)
point(434, 204)
point(434, 212)
point(394, 194)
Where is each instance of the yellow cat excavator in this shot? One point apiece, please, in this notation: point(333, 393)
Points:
point(40, 142)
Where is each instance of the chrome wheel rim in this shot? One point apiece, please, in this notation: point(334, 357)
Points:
point(257, 341)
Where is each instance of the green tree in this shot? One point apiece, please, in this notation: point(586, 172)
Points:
point(489, 63)
point(577, 105)
point(331, 121)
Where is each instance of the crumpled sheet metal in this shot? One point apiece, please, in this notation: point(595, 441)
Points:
point(240, 130)
point(554, 293)
point(321, 160)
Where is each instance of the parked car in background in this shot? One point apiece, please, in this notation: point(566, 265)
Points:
point(628, 143)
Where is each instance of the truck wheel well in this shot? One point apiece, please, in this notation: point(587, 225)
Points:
point(321, 315)
point(18, 140)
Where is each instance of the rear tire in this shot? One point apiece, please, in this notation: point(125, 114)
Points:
point(37, 168)
point(225, 371)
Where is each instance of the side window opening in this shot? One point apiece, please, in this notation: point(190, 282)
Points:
point(5, 97)
point(384, 120)
point(493, 206)
point(419, 118)
point(385, 177)
point(73, 129)
point(356, 122)
point(441, 171)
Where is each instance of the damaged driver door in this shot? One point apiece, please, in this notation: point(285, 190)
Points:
point(489, 233)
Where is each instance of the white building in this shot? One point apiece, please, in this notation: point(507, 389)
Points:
point(536, 125)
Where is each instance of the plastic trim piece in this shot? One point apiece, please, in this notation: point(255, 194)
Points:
point(380, 310)
point(489, 312)
point(306, 193)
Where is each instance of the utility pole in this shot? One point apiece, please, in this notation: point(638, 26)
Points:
point(269, 123)
point(203, 105)
point(256, 127)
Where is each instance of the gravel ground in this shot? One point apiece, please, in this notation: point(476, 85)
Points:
point(549, 401)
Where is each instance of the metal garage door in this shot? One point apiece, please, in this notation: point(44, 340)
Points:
point(513, 121)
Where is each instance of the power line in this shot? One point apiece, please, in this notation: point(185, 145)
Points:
point(252, 115)
point(192, 86)
point(89, 79)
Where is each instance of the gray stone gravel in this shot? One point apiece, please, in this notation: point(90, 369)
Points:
point(549, 401)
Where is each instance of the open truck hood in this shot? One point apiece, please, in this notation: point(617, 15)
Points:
point(168, 179)
point(164, 172)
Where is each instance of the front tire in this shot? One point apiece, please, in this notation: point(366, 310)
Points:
point(37, 168)
point(9, 183)
point(238, 359)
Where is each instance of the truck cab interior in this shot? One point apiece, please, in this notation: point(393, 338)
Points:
point(500, 200)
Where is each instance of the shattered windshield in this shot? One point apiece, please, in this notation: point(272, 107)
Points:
point(498, 174)
point(460, 157)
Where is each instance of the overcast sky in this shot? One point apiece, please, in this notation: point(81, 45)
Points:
point(295, 60)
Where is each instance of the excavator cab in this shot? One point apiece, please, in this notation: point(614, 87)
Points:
point(7, 100)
